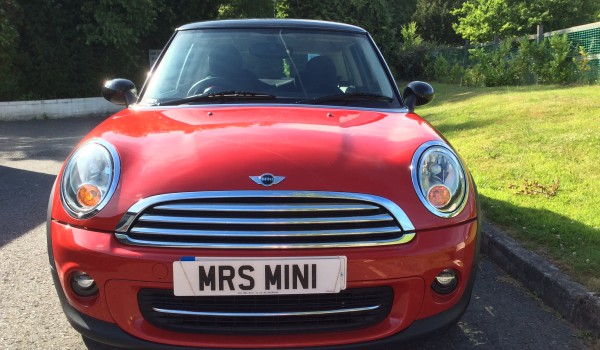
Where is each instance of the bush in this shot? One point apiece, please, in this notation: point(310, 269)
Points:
point(414, 55)
point(444, 73)
point(530, 60)
point(441, 69)
point(527, 62)
point(558, 67)
point(495, 66)
point(456, 74)
point(582, 62)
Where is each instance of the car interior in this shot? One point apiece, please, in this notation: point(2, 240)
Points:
point(292, 66)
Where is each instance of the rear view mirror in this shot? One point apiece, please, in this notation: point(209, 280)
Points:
point(417, 93)
point(120, 92)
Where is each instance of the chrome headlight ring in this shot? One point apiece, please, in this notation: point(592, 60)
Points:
point(90, 178)
point(439, 178)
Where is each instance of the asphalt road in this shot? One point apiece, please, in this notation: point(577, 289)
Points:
point(502, 315)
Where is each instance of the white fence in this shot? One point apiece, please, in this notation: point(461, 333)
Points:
point(55, 109)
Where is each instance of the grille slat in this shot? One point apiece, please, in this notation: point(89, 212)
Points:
point(266, 207)
point(258, 234)
point(262, 221)
point(266, 314)
point(265, 219)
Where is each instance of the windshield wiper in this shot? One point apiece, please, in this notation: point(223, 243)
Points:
point(353, 96)
point(219, 96)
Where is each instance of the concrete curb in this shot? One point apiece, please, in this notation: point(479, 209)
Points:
point(56, 109)
point(572, 300)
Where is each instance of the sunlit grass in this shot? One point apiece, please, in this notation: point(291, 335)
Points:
point(535, 155)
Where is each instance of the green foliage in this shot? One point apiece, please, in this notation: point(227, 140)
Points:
point(530, 60)
point(9, 11)
point(559, 68)
point(410, 38)
point(247, 9)
point(68, 48)
point(456, 74)
point(11, 15)
point(414, 54)
point(435, 19)
point(382, 18)
point(441, 69)
point(559, 14)
point(175, 13)
point(282, 8)
point(480, 20)
point(495, 66)
point(444, 72)
point(54, 59)
point(584, 69)
point(549, 62)
point(117, 23)
point(72, 46)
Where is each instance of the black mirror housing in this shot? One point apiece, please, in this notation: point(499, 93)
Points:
point(417, 93)
point(120, 92)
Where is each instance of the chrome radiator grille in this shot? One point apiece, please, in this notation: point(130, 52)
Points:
point(264, 219)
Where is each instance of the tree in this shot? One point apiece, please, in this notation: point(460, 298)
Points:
point(71, 46)
point(480, 20)
point(382, 18)
point(118, 23)
point(247, 9)
point(413, 55)
point(10, 18)
point(53, 61)
point(10, 11)
point(175, 13)
point(434, 18)
point(559, 14)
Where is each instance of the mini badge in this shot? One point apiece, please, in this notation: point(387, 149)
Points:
point(267, 179)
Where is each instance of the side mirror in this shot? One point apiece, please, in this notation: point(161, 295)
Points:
point(120, 92)
point(417, 93)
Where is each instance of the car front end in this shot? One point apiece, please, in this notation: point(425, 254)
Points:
point(230, 219)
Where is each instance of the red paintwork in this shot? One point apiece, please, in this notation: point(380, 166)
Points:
point(183, 149)
point(123, 270)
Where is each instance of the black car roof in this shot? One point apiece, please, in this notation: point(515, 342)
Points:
point(273, 23)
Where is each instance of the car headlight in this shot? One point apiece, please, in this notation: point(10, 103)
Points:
point(439, 179)
point(90, 178)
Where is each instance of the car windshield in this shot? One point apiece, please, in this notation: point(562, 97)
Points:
point(270, 66)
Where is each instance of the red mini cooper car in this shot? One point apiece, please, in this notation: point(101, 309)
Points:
point(269, 187)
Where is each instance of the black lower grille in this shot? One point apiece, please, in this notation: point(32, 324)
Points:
point(266, 314)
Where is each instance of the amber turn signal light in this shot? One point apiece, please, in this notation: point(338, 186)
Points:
point(439, 196)
point(88, 195)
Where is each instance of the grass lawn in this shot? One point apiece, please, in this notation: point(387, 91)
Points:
point(535, 155)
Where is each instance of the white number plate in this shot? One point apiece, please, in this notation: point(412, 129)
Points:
point(194, 276)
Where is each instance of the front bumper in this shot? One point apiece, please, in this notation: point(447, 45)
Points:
point(113, 317)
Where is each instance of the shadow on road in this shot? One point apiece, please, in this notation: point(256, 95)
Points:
point(30, 154)
point(22, 194)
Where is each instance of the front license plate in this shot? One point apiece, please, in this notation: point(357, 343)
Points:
point(194, 276)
